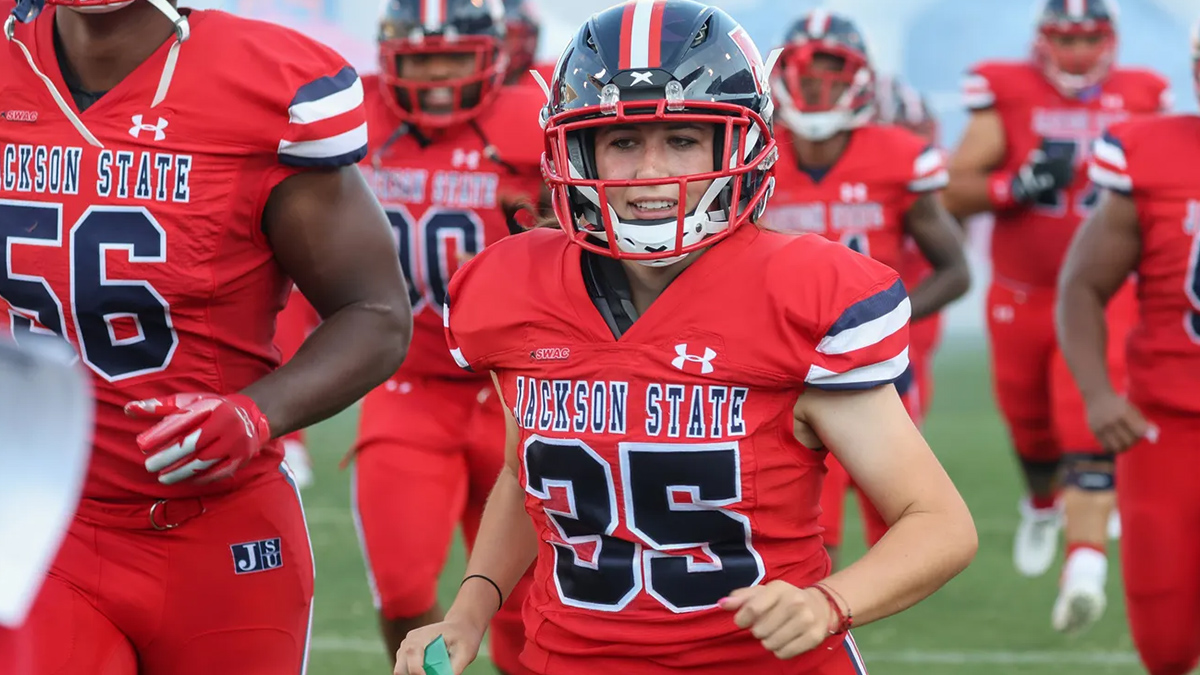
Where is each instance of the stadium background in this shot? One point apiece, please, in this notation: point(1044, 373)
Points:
point(988, 621)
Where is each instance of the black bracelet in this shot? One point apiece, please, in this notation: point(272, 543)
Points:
point(494, 585)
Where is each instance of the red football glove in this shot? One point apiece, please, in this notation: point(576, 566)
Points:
point(201, 437)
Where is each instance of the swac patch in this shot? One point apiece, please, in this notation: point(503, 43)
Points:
point(550, 354)
point(28, 116)
point(257, 556)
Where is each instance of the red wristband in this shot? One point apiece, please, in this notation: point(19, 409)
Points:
point(1000, 189)
point(844, 619)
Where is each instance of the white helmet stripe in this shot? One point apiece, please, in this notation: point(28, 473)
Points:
point(818, 23)
point(434, 18)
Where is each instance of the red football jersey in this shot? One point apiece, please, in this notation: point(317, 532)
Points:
point(445, 196)
point(1029, 242)
point(1141, 159)
point(661, 468)
point(148, 253)
point(862, 199)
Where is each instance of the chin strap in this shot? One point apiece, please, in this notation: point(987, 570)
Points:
point(10, 28)
point(182, 33)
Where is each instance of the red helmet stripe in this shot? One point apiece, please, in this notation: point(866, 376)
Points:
point(626, 35)
point(641, 34)
point(656, 19)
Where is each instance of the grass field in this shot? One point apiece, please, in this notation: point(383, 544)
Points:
point(989, 621)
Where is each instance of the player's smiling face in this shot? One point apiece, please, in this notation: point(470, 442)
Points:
point(654, 150)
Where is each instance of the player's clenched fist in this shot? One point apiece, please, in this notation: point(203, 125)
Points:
point(1117, 424)
point(787, 620)
point(201, 437)
point(462, 641)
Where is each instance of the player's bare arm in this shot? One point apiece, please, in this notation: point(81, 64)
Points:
point(931, 536)
point(505, 547)
point(981, 150)
point(940, 241)
point(1103, 254)
point(330, 235)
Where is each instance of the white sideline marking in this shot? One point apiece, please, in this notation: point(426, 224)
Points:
point(339, 644)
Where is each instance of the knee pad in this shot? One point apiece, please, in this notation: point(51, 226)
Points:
point(1090, 472)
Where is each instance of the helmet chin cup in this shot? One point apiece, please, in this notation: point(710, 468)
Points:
point(101, 9)
point(817, 127)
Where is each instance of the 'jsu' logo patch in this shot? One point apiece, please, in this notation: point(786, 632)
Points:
point(257, 556)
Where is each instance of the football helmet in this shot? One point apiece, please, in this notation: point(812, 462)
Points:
point(824, 82)
point(899, 104)
point(646, 61)
point(423, 28)
point(1080, 66)
point(523, 27)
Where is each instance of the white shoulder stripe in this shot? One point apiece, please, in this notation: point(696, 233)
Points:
point(334, 146)
point(883, 371)
point(1109, 153)
point(937, 181)
point(867, 334)
point(927, 162)
point(329, 107)
point(1110, 179)
point(975, 82)
point(458, 358)
point(979, 99)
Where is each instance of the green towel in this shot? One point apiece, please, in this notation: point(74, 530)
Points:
point(437, 658)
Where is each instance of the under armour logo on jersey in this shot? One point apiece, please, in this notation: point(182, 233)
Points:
point(462, 158)
point(257, 556)
point(854, 192)
point(705, 361)
point(1191, 221)
point(138, 127)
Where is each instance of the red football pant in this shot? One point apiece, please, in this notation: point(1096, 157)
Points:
point(16, 651)
point(428, 454)
point(292, 328)
point(833, 499)
point(125, 599)
point(1034, 389)
point(1158, 488)
point(837, 483)
point(923, 336)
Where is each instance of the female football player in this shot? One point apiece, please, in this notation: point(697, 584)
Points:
point(672, 375)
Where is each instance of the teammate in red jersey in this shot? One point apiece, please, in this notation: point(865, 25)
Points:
point(1031, 126)
point(296, 321)
point(523, 29)
point(1147, 222)
point(658, 360)
point(452, 160)
point(154, 196)
point(903, 106)
point(867, 186)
